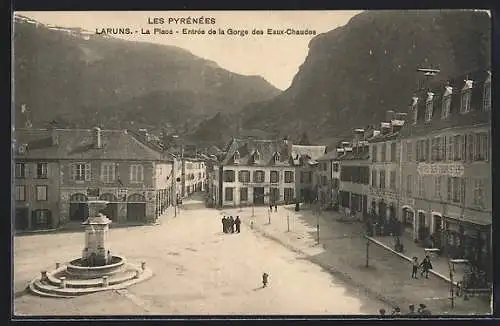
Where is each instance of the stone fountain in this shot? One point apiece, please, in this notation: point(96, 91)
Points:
point(96, 270)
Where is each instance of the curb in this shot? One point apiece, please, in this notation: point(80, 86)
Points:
point(380, 244)
point(343, 277)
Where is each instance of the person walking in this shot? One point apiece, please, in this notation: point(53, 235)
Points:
point(423, 311)
point(237, 223)
point(275, 208)
point(426, 265)
point(271, 207)
point(414, 267)
point(381, 312)
point(265, 279)
point(231, 224)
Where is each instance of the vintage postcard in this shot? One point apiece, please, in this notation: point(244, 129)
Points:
point(243, 163)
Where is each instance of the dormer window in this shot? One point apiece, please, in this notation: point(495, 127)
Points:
point(276, 157)
point(445, 110)
point(487, 93)
point(466, 95)
point(414, 109)
point(429, 106)
point(236, 157)
point(256, 156)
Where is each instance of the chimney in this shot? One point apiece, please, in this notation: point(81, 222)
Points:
point(401, 116)
point(97, 137)
point(55, 136)
point(376, 133)
point(389, 116)
point(385, 128)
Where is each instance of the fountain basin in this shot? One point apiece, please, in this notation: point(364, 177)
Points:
point(76, 268)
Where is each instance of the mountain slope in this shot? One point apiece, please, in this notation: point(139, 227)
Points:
point(353, 74)
point(85, 79)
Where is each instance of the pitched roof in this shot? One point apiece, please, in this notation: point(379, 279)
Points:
point(312, 151)
point(358, 153)
point(328, 156)
point(266, 149)
point(78, 144)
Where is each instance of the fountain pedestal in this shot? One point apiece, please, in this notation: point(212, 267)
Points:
point(95, 252)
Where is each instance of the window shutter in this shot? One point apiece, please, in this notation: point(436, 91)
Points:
point(464, 147)
point(72, 172)
point(131, 173)
point(470, 147)
point(486, 147)
point(103, 168)
point(87, 172)
point(141, 171)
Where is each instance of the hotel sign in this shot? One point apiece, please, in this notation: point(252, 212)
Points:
point(450, 169)
point(382, 193)
point(260, 184)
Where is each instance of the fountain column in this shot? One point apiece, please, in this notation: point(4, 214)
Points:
point(96, 234)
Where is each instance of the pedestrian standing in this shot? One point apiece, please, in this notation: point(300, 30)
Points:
point(271, 208)
point(237, 223)
point(414, 268)
point(231, 224)
point(381, 312)
point(422, 310)
point(275, 208)
point(396, 312)
point(265, 279)
point(224, 224)
point(426, 265)
point(412, 310)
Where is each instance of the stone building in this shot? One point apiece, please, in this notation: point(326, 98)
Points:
point(328, 179)
point(385, 151)
point(446, 168)
point(258, 172)
point(304, 158)
point(111, 165)
point(194, 172)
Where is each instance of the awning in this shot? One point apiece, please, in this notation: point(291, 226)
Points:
point(478, 220)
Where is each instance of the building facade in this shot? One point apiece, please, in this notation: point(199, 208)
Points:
point(327, 178)
point(82, 165)
point(194, 172)
point(446, 168)
point(304, 159)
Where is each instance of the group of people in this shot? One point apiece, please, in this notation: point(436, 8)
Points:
point(230, 224)
point(421, 311)
point(424, 266)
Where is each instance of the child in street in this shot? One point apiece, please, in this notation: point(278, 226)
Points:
point(265, 277)
point(414, 268)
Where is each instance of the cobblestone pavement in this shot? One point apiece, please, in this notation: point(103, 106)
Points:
point(342, 251)
point(198, 270)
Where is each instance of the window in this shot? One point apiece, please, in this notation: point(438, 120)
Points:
point(429, 107)
point(136, 173)
point(302, 178)
point(450, 145)
point(487, 96)
point(335, 167)
point(409, 151)
point(275, 176)
point(236, 157)
point(108, 172)
point(437, 186)
point(243, 194)
point(393, 152)
point(383, 152)
point(258, 176)
point(41, 193)
point(382, 179)
point(310, 176)
point(445, 111)
point(374, 178)
point(478, 185)
point(276, 157)
point(41, 171)
point(288, 176)
point(455, 189)
point(435, 149)
point(374, 153)
point(228, 176)
point(288, 194)
point(481, 147)
point(465, 101)
point(323, 180)
point(458, 147)
point(335, 183)
point(20, 170)
point(20, 193)
point(256, 156)
point(80, 172)
point(421, 189)
point(228, 194)
point(392, 178)
point(409, 185)
point(244, 176)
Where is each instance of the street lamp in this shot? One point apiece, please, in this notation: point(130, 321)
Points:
point(367, 251)
point(451, 266)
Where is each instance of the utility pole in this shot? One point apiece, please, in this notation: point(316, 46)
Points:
point(367, 251)
point(288, 222)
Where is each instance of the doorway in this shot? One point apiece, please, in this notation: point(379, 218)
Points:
point(78, 208)
point(22, 218)
point(258, 195)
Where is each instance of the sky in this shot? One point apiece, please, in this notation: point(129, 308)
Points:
point(277, 58)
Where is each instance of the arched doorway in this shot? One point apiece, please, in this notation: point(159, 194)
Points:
point(78, 208)
point(423, 229)
point(41, 219)
point(408, 218)
point(111, 210)
point(136, 208)
point(382, 210)
point(437, 230)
